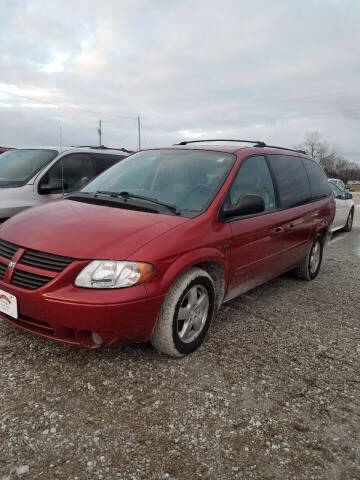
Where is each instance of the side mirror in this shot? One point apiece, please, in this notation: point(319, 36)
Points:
point(247, 205)
point(54, 186)
point(348, 196)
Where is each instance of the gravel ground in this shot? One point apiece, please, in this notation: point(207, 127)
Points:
point(273, 394)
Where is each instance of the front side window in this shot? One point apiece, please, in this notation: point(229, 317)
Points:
point(73, 171)
point(338, 182)
point(336, 191)
point(292, 180)
point(253, 178)
point(17, 167)
point(319, 183)
point(187, 179)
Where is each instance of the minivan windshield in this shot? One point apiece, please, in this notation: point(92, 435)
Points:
point(17, 167)
point(185, 179)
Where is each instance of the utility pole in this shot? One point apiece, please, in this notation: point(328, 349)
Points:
point(99, 132)
point(139, 136)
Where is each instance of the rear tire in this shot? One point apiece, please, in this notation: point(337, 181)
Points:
point(309, 268)
point(186, 314)
point(349, 221)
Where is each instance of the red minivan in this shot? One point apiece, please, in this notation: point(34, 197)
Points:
point(153, 246)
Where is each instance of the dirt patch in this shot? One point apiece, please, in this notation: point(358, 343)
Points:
point(273, 394)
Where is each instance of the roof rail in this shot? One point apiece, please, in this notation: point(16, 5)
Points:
point(257, 143)
point(102, 147)
point(285, 148)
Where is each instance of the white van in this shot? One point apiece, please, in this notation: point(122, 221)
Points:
point(32, 176)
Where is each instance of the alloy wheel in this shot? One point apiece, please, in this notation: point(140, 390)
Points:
point(193, 313)
point(315, 257)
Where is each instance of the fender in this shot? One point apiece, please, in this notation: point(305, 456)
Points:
point(323, 225)
point(185, 262)
point(319, 229)
point(327, 212)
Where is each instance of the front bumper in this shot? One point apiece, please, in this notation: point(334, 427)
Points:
point(71, 314)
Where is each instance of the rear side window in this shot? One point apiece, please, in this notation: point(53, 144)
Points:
point(292, 180)
point(104, 161)
point(319, 184)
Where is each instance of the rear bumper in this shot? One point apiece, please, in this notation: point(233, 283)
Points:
point(50, 316)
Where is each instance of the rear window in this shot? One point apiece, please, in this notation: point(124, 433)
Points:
point(319, 183)
point(292, 180)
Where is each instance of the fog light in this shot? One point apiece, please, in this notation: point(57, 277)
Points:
point(97, 339)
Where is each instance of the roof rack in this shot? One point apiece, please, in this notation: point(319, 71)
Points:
point(285, 148)
point(257, 143)
point(102, 147)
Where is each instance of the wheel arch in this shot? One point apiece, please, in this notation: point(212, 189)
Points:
point(217, 274)
point(321, 230)
point(211, 260)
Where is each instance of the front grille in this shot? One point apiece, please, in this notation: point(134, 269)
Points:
point(42, 260)
point(7, 249)
point(2, 270)
point(45, 260)
point(29, 280)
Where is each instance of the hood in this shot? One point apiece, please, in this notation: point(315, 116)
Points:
point(86, 231)
point(10, 191)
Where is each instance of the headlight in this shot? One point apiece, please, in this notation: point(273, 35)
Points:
point(113, 274)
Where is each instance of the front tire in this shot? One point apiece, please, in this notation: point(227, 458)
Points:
point(349, 221)
point(309, 268)
point(186, 314)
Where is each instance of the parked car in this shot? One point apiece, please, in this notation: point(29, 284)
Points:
point(339, 183)
point(32, 176)
point(345, 209)
point(154, 245)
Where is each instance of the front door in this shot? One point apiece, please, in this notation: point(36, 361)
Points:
point(341, 211)
point(71, 172)
point(256, 242)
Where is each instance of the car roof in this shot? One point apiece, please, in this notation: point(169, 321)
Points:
point(63, 149)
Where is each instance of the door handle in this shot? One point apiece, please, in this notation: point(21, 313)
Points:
point(278, 230)
point(283, 229)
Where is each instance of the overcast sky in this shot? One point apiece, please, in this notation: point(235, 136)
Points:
point(269, 70)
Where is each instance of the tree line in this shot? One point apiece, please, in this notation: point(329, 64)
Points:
point(333, 163)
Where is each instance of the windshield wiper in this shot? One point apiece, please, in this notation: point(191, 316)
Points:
point(127, 195)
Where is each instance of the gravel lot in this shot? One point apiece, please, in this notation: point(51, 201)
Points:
point(273, 394)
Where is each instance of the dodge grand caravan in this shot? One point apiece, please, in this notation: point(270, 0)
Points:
point(154, 245)
point(32, 176)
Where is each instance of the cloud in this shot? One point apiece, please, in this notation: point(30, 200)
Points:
point(270, 70)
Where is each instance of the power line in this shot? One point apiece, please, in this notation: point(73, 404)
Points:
point(73, 107)
point(131, 128)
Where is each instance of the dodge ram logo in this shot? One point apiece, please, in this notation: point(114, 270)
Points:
point(11, 265)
